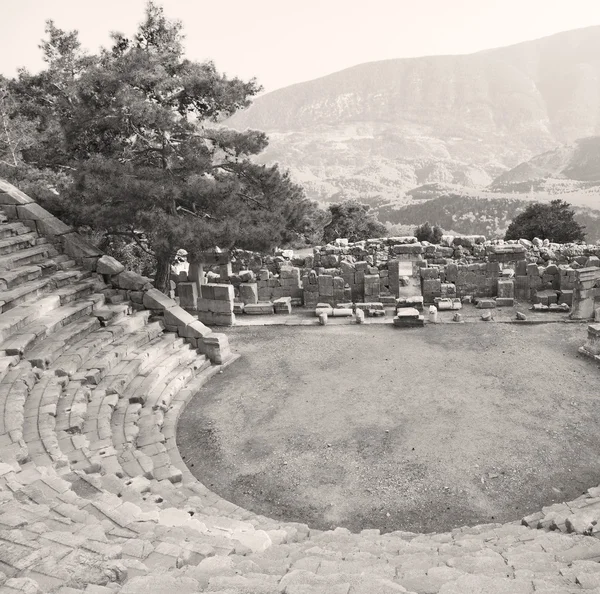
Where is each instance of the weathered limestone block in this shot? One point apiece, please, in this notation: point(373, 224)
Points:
point(408, 249)
point(109, 265)
point(432, 288)
point(248, 293)
point(178, 317)
point(75, 246)
point(131, 281)
point(372, 285)
point(154, 299)
point(506, 289)
point(486, 304)
point(283, 305)
point(566, 296)
point(188, 295)
point(326, 285)
point(223, 292)
point(246, 276)
point(9, 194)
point(546, 297)
point(521, 287)
point(592, 345)
point(216, 319)
point(430, 273)
point(408, 317)
point(260, 308)
point(504, 301)
point(195, 329)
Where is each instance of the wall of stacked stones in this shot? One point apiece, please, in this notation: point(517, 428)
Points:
point(377, 269)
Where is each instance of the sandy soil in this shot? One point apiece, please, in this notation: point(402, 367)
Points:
point(378, 427)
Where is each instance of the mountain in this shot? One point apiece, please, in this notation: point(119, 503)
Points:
point(578, 162)
point(378, 130)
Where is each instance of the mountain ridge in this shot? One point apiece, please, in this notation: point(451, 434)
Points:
point(410, 121)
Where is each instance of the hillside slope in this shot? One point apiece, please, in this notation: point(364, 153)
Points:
point(577, 161)
point(378, 129)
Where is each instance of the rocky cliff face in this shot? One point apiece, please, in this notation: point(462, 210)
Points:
point(378, 129)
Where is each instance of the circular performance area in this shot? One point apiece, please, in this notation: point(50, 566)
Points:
point(426, 430)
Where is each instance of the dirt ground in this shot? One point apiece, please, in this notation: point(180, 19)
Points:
point(380, 427)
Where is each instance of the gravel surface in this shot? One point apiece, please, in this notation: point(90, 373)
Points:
point(377, 427)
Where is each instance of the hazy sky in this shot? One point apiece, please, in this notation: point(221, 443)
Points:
point(286, 41)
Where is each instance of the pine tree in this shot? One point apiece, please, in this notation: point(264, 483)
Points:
point(554, 221)
point(352, 220)
point(141, 126)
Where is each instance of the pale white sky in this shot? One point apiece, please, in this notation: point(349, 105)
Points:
point(282, 42)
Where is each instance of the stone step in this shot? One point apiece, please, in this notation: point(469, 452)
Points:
point(14, 391)
point(79, 353)
point(161, 395)
point(71, 411)
point(59, 543)
point(94, 403)
point(72, 358)
point(31, 290)
point(43, 354)
point(57, 320)
point(124, 422)
point(97, 431)
point(12, 229)
point(79, 290)
point(150, 440)
point(32, 255)
point(171, 416)
point(110, 356)
point(9, 245)
point(22, 315)
point(112, 313)
point(40, 419)
point(9, 279)
point(180, 352)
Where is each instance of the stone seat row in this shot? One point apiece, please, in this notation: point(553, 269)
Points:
point(94, 496)
point(71, 364)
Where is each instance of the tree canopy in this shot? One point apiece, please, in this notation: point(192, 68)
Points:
point(138, 129)
point(554, 221)
point(426, 232)
point(352, 220)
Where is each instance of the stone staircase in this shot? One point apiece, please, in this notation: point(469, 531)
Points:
point(95, 498)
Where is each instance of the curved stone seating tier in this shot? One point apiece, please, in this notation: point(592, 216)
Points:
point(94, 495)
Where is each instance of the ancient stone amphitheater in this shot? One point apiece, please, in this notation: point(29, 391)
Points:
point(96, 367)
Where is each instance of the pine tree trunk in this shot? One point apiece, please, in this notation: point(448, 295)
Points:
point(163, 273)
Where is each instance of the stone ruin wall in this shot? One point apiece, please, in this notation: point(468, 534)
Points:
point(380, 270)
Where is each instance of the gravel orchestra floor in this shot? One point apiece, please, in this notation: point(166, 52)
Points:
point(421, 430)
